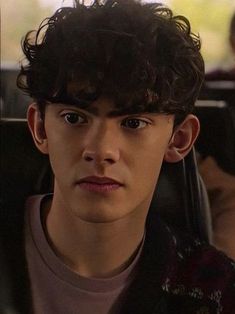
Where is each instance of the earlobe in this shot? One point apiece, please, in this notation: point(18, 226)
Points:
point(36, 126)
point(182, 139)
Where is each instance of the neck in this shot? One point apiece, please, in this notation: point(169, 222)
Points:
point(94, 249)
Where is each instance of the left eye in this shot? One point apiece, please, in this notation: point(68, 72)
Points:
point(73, 118)
point(134, 123)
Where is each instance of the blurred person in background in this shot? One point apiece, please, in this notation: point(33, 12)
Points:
point(220, 186)
point(219, 180)
point(223, 74)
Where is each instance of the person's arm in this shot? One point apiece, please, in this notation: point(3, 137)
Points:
point(221, 189)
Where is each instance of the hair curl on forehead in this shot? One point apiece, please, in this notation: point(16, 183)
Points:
point(140, 55)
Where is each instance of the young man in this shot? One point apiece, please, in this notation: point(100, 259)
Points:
point(114, 86)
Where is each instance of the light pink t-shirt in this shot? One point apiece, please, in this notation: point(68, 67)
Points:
point(56, 288)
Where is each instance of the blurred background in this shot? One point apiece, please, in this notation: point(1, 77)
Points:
point(209, 18)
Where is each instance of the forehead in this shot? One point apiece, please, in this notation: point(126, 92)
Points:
point(97, 104)
point(87, 95)
point(106, 106)
point(101, 106)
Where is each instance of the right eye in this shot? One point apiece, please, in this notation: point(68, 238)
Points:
point(73, 118)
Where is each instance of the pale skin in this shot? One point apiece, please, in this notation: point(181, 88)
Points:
point(98, 233)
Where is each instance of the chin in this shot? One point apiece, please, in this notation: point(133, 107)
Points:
point(98, 214)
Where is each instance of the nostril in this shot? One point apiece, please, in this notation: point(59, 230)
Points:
point(88, 158)
point(109, 160)
point(99, 157)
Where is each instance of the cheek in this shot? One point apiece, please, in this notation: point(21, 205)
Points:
point(63, 155)
point(149, 154)
point(148, 171)
point(146, 164)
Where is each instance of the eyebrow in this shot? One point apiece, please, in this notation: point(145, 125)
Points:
point(117, 112)
point(111, 114)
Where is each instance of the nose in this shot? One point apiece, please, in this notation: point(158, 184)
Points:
point(102, 146)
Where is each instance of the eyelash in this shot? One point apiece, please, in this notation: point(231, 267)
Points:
point(135, 119)
point(74, 114)
point(135, 126)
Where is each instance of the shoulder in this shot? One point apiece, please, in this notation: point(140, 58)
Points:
point(202, 273)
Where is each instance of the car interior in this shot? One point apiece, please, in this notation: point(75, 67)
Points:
point(181, 198)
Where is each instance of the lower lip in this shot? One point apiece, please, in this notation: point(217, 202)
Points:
point(100, 188)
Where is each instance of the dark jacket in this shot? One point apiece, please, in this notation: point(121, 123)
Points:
point(177, 274)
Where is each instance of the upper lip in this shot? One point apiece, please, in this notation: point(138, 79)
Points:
point(99, 180)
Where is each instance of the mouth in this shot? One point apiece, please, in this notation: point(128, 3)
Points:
point(99, 184)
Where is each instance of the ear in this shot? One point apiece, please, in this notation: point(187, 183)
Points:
point(36, 126)
point(182, 139)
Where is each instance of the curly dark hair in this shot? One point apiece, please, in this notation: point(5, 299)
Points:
point(140, 55)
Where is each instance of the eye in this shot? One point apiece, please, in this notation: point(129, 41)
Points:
point(73, 118)
point(134, 123)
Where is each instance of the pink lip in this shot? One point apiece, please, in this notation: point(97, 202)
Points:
point(99, 184)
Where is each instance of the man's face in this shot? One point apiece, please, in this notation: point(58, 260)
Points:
point(106, 166)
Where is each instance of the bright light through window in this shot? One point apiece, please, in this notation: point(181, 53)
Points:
point(59, 3)
point(213, 28)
